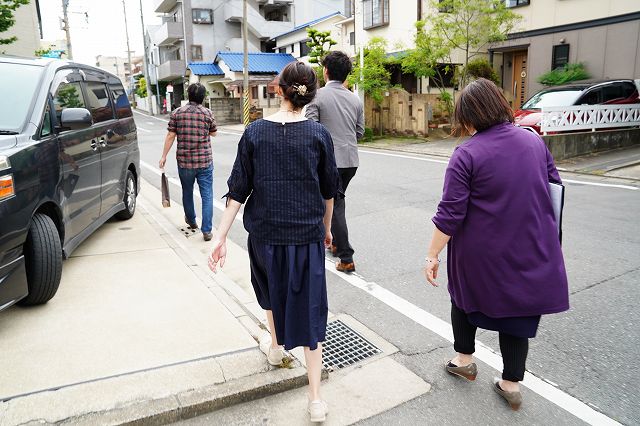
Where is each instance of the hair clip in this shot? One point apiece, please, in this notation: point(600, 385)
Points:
point(301, 89)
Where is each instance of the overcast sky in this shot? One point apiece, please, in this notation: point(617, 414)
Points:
point(104, 34)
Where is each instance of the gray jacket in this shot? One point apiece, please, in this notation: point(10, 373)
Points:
point(342, 113)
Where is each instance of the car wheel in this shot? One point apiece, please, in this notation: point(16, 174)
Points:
point(43, 259)
point(130, 198)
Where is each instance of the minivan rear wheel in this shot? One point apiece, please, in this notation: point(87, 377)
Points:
point(43, 259)
point(130, 198)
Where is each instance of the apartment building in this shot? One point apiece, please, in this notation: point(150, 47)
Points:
point(27, 29)
point(196, 30)
point(602, 34)
point(115, 65)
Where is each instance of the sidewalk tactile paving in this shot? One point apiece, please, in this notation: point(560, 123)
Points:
point(344, 347)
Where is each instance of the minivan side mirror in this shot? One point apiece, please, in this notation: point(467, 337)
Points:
point(76, 118)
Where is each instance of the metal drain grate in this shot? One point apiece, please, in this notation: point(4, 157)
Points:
point(343, 346)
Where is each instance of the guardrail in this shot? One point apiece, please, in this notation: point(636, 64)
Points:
point(589, 117)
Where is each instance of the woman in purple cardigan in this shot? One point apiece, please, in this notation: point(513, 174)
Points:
point(505, 266)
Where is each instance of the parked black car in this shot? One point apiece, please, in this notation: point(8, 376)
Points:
point(69, 161)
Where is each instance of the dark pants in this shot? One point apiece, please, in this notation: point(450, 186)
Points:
point(339, 221)
point(514, 349)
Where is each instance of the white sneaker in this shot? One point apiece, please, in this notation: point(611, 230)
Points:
point(274, 355)
point(318, 411)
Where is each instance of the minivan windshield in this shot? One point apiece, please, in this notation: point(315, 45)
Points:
point(17, 87)
point(553, 98)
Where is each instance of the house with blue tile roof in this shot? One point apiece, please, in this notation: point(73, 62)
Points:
point(223, 77)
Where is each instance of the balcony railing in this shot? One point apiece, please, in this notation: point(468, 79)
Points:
point(170, 70)
point(258, 25)
point(168, 33)
point(589, 117)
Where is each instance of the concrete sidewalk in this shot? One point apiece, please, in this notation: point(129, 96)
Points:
point(141, 332)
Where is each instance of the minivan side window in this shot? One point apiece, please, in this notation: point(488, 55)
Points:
point(611, 92)
point(628, 89)
point(98, 102)
point(592, 98)
point(67, 95)
point(119, 96)
point(45, 130)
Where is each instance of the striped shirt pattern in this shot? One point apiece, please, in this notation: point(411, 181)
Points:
point(286, 171)
point(192, 124)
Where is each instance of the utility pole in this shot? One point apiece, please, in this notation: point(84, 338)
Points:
point(126, 30)
point(145, 64)
point(245, 86)
point(65, 21)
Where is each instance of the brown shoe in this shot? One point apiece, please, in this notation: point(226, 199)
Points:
point(191, 225)
point(468, 372)
point(513, 398)
point(207, 236)
point(345, 267)
point(334, 250)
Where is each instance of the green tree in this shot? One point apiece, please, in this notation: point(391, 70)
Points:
point(481, 68)
point(41, 52)
point(7, 8)
point(469, 25)
point(141, 90)
point(375, 76)
point(320, 43)
point(68, 97)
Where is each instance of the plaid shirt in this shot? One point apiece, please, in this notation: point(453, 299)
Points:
point(192, 124)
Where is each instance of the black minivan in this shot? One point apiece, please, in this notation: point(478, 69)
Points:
point(69, 161)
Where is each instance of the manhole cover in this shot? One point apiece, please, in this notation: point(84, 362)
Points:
point(343, 346)
point(187, 232)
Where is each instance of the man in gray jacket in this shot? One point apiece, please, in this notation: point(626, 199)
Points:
point(342, 113)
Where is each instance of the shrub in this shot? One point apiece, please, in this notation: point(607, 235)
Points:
point(368, 134)
point(481, 68)
point(570, 72)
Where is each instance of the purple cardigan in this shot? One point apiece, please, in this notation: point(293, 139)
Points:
point(504, 256)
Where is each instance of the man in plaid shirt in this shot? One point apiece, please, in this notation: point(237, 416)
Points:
point(193, 124)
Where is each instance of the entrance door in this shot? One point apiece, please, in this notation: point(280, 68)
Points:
point(519, 78)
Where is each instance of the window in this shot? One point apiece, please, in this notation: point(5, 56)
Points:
point(591, 98)
point(45, 129)
point(516, 3)
point(98, 102)
point(202, 16)
point(304, 49)
point(68, 95)
point(560, 56)
point(352, 38)
point(254, 92)
point(445, 6)
point(282, 50)
point(119, 99)
point(349, 8)
point(376, 13)
point(628, 90)
point(196, 52)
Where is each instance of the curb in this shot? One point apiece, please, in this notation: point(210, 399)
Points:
point(193, 403)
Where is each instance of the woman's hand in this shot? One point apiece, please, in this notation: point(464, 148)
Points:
point(218, 254)
point(328, 238)
point(431, 270)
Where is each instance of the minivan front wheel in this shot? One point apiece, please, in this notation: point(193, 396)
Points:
point(43, 259)
point(130, 197)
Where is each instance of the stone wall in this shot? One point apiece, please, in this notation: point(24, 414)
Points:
point(567, 145)
point(226, 110)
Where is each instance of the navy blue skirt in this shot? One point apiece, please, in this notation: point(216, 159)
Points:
point(290, 281)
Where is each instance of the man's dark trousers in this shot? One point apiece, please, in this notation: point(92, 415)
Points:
point(339, 221)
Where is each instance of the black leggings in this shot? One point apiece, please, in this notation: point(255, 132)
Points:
point(514, 349)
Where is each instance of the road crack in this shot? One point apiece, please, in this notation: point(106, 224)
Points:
point(605, 280)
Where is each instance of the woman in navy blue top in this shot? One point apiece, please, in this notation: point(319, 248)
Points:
point(285, 171)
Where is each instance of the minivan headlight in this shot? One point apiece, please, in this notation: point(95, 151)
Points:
point(4, 162)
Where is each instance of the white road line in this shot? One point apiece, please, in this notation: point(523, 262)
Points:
point(144, 130)
point(411, 157)
point(606, 185)
point(542, 387)
point(433, 160)
point(164, 120)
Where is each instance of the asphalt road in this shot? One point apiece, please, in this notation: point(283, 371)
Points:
point(586, 352)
